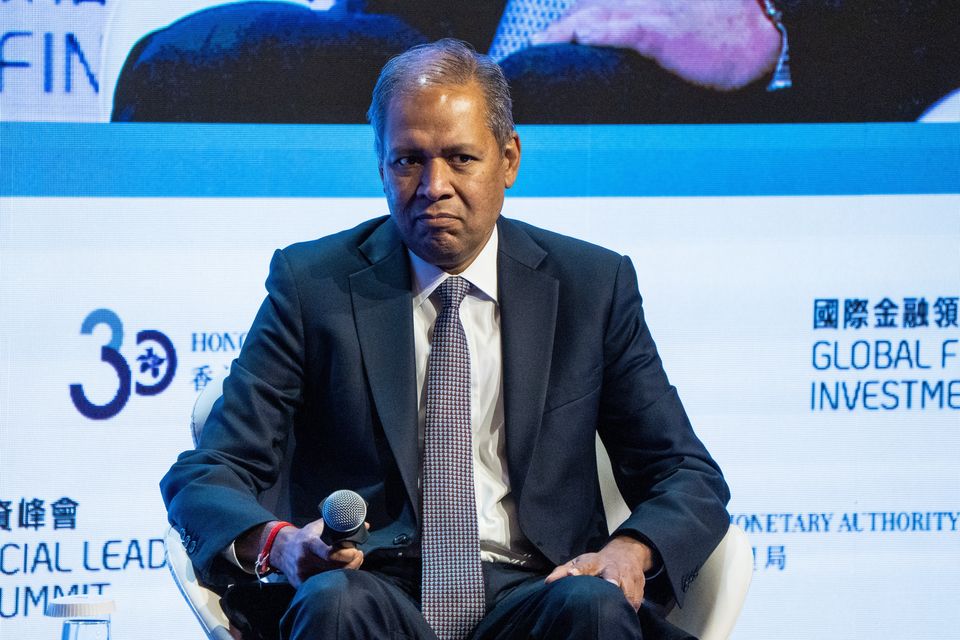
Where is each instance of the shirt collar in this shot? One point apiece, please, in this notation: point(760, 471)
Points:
point(482, 273)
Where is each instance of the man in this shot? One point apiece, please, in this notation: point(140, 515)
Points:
point(592, 61)
point(360, 355)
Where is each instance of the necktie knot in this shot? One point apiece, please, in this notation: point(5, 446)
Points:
point(452, 291)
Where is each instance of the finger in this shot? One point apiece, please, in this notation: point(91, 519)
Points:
point(561, 571)
point(345, 555)
point(633, 595)
point(587, 565)
point(318, 548)
point(346, 558)
point(608, 32)
point(632, 591)
point(571, 568)
point(559, 32)
point(611, 575)
point(583, 25)
point(581, 565)
point(599, 26)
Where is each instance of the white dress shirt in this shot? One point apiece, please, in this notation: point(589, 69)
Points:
point(500, 536)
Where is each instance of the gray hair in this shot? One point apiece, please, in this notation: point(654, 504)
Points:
point(444, 62)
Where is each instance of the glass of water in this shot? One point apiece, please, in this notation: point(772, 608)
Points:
point(85, 617)
point(86, 629)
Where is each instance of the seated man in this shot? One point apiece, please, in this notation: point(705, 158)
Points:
point(454, 368)
point(567, 61)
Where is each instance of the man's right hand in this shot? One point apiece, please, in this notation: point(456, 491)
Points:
point(300, 553)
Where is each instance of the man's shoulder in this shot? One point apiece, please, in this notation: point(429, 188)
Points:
point(341, 248)
point(562, 249)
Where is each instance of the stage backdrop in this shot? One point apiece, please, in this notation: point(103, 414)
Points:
point(802, 283)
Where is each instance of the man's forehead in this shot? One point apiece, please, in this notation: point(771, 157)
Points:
point(460, 104)
point(420, 87)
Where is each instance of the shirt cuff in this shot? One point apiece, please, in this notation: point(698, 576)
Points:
point(230, 553)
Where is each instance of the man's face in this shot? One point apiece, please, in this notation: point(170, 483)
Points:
point(444, 174)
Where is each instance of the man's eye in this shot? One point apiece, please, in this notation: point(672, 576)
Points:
point(462, 158)
point(407, 161)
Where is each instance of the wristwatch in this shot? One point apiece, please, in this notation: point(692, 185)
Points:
point(781, 72)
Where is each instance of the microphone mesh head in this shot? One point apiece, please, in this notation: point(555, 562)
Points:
point(344, 510)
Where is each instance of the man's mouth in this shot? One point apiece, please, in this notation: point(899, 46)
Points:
point(438, 220)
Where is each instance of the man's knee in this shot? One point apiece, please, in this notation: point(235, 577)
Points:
point(349, 604)
point(330, 598)
point(583, 598)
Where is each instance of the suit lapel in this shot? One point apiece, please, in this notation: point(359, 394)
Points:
point(383, 313)
point(528, 313)
point(382, 307)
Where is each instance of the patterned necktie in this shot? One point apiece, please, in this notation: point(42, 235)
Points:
point(521, 19)
point(452, 591)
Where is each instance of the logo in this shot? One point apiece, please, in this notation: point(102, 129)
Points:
point(158, 361)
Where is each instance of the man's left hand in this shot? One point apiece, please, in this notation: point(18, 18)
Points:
point(718, 44)
point(623, 561)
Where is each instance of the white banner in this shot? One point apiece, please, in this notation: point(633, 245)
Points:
point(814, 341)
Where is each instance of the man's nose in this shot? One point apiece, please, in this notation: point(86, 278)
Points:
point(435, 179)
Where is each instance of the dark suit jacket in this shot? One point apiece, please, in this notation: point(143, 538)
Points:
point(330, 362)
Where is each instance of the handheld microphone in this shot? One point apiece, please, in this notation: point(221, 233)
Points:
point(343, 513)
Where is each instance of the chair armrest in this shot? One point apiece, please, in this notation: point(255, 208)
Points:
point(713, 603)
point(204, 603)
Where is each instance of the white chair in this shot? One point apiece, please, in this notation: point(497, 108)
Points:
point(204, 603)
point(710, 611)
point(714, 600)
point(946, 109)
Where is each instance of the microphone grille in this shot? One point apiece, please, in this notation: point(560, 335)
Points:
point(344, 510)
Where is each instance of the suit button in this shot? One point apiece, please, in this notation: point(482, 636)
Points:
point(183, 534)
point(192, 546)
point(401, 539)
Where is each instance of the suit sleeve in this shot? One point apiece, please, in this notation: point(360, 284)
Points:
point(211, 491)
point(675, 490)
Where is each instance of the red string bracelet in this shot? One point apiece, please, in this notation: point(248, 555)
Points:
point(263, 568)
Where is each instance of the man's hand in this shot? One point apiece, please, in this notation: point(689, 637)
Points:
point(718, 44)
point(300, 553)
point(622, 561)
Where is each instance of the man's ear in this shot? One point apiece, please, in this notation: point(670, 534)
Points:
point(511, 158)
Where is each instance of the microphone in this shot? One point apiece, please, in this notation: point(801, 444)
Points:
point(343, 513)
